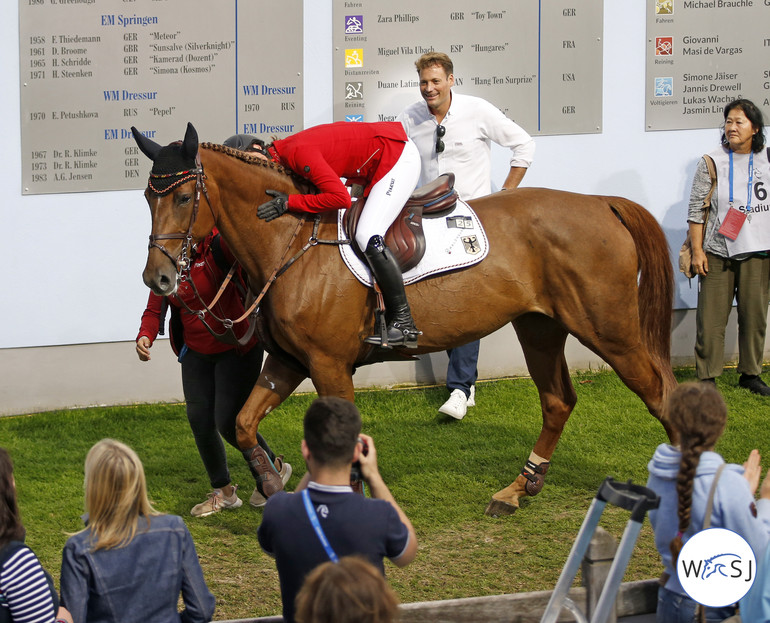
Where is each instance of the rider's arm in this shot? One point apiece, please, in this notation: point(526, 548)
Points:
point(332, 195)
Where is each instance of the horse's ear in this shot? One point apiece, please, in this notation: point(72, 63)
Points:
point(149, 147)
point(190, 143)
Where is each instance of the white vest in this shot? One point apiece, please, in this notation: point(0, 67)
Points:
point(755, 232)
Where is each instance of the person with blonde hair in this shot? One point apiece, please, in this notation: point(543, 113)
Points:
point(683, 477)
point(350, 591)
point(130, 563)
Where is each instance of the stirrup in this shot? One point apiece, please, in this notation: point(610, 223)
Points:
point(396, 336)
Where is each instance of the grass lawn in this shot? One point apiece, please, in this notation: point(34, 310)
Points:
point(441, 471)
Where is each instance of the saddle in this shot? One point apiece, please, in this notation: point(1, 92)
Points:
point(405, 237)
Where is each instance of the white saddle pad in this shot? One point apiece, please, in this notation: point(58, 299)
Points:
point(452, 241)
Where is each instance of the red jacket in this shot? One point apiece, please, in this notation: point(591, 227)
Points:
point(362, 153)
point(208, 276)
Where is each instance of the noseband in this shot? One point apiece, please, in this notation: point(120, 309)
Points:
point(182, 262)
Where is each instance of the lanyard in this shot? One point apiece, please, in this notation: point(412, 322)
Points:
point(317, 526)
point(751, 179)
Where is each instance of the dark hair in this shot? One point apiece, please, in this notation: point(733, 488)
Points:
point(331, 429)
point(755, 117)
point(435, 58)
point(350, 591)
point(11, 528)
point(698, 413)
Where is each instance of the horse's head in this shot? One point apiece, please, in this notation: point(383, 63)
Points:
point(173, 194)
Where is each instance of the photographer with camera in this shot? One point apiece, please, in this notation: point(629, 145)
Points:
point(342, 523)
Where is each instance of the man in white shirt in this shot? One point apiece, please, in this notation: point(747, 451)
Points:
point(454, 132)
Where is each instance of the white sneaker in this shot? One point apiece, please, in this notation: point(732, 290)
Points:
point(456, 406)
point(215, 502)
point(284, 471)
point(472, 397)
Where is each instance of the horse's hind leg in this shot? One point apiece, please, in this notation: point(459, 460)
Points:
point(542, 340)
point(643, 376)
point(275, 384)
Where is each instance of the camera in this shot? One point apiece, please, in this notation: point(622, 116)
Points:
point(356, 479)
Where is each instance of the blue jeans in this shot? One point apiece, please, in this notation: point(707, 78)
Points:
point(676, 608)
point(462, 371)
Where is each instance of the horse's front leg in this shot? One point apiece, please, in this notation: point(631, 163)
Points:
point(275, 384)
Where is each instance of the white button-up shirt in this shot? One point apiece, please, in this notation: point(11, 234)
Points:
point(471, 125)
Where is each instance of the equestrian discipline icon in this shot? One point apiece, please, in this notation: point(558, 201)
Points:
point(716, 567)
point(354, 59)
point(354, 24)
point(664, 46)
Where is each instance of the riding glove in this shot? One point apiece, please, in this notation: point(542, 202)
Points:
point(273, 208)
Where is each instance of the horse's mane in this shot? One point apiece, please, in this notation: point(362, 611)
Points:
point(249, 158)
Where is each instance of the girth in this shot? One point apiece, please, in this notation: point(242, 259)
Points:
point(405, 237)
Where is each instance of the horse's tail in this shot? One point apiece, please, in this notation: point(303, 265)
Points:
point(656, 282)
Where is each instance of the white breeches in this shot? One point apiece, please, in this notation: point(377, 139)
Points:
point(389, 195)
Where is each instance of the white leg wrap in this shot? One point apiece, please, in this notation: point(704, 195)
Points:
point(536, 459)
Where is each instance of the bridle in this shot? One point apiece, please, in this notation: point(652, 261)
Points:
point(183, 264)
point(182, 261)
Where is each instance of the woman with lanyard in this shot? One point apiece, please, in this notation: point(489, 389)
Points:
point(730, 249)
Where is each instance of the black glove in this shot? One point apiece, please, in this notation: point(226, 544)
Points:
point(273, 208)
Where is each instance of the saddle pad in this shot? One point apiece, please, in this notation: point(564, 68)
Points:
point(452, 241)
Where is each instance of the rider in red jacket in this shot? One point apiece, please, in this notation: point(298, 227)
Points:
point(379, 157)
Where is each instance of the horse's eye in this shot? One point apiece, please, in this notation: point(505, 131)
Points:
point(184, 199)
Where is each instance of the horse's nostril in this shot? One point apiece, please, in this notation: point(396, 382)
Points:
point(165, 283)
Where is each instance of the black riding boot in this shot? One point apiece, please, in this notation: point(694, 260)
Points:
point(401, 330)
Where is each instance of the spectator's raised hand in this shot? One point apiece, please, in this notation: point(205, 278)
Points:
point(752, 470)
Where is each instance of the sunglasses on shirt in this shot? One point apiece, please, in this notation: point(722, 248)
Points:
point(440, 131)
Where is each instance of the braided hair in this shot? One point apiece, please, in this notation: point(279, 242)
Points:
point(698, 413)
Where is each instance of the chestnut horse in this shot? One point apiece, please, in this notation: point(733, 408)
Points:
point(559, 263)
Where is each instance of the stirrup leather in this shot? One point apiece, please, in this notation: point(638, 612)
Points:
point(393, 324)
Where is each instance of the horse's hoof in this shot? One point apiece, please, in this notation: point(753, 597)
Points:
point(497, 508)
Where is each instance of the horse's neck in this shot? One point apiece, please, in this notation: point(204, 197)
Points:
point(237, 190)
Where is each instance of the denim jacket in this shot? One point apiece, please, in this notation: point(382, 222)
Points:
point(137, 583)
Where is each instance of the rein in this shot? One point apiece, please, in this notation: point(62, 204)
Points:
point(312, 241)
point(229, 335)
point(184, 265)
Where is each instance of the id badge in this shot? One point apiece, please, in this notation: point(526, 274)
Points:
point(732, 224)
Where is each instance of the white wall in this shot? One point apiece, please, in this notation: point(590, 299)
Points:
point(73, 262)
